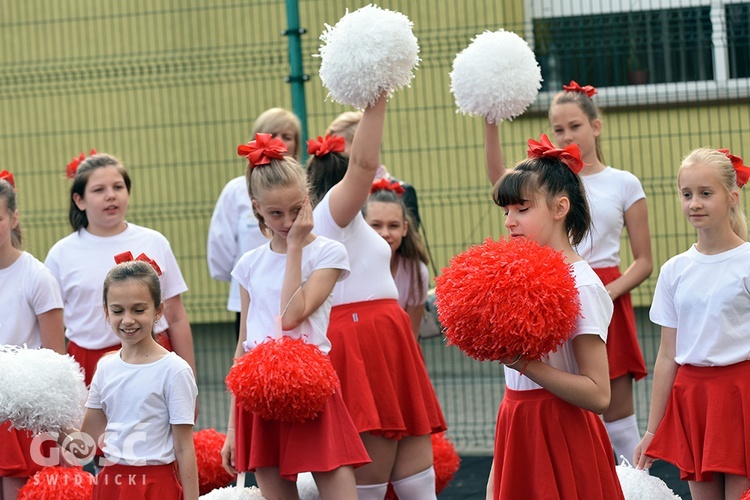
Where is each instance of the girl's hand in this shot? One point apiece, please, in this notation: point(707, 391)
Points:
point(227, 453)
point(517, 363)
point(640, 459)
point(302, 225)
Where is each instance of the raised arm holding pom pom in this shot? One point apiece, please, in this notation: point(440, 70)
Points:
point(368, 325)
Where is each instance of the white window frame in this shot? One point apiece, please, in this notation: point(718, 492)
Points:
point(720, 88)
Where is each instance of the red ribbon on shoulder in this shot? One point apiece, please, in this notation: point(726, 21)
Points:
point(740, 169)
point(570, 155)
point(262, 150)
point(388, 185)
point(589, 90)
point(324, 145)
point(128, 257)
point(7, 176)
point(72, 168)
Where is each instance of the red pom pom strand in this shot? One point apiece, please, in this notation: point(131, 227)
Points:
point(55, 483)
point(445, 461)
point(283, 379)
point(746, 495)
point(508, 297)
point(211, 474)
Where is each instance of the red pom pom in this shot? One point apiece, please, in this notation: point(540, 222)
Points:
point(746, 495)
point(445, 461)
point(211, 474)
point(283, 379)
point(54, 483)
point(508, 297)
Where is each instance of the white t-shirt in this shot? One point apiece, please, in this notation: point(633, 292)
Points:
point(369, 257)
point(81, 261)
point(610, 194)
point(707, 299)
point(27, 289)
point(141, 403)
point(261, 272)
point(408, 293)
point(233, 231)
point(596, 312)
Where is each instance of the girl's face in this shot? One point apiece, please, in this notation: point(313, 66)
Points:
point(105, 201)
point(8, 221)
point(532, 219)
point(570, 125)
point(130, 311)
point(279, 207)
point(288, 136)
point(705, 200)
point(388, 220)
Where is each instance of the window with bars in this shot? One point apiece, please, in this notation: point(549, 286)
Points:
point(699, 42)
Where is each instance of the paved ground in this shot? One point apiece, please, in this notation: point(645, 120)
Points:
point(471, 479)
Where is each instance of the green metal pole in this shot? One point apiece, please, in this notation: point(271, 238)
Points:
point(297, 76)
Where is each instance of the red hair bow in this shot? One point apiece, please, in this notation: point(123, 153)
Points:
point(589, 90)
point(570, 155)
point(72, 167)
point(128, 257)
point(7, 176)
point(262, 150)
point(388, 185)
point(325, 145)
point(742, 171)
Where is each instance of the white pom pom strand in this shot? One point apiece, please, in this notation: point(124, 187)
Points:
point(233, 493)
point(639, 485)
point(40, 389)
point(496, 76)
point(368, 52)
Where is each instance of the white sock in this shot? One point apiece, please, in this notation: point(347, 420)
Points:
point(371, 491)
point(420, 486)
point(624, 436)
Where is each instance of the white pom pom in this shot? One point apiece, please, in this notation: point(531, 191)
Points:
point(306, 487)
point(639, 485)
point(40, 390)
point(496, 76)
point(368, 52)
point(233, 493)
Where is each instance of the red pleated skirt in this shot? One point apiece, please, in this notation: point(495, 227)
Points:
point(384, 381)
point(547, 448)
point(623, 351)
point(21, 455)
point(147, 482)
point(706, 426)
point(88, 358)
point(319, 445)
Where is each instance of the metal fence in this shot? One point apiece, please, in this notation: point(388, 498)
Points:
point(172, 87)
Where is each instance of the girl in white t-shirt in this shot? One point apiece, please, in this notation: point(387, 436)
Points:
point(383, 378)
point(293, 277)
point(700, 403)
point(234, 229)
point(141, 404)
point(386, 213)
point(548, 421)
point(616, 201)
point(31, 312)
point(99, 198)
